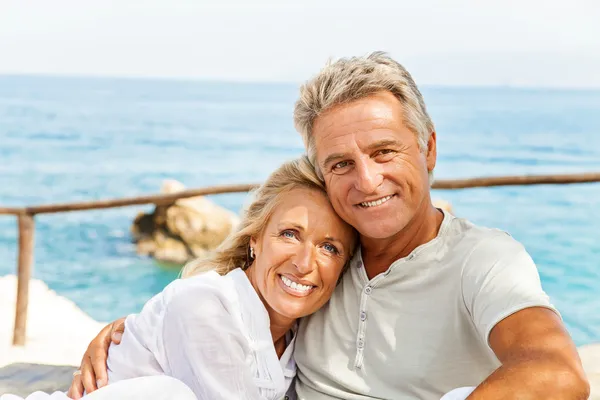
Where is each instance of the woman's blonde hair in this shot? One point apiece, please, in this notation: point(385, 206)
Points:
point(234, 251)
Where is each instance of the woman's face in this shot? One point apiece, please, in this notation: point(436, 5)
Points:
point(301, 253)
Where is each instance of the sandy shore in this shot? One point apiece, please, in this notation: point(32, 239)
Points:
point(590, 357)
point(58, 332)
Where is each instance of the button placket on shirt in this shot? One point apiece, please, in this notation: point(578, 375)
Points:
point(362, 323)
point(366, 293)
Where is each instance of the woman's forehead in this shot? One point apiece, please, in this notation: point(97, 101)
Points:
point(309, 208)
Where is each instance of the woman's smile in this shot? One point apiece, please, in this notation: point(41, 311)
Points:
point(293, 286)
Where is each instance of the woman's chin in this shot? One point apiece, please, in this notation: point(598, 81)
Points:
point(293, 310)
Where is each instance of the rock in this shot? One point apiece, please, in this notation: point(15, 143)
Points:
point(58, 332)
point(185, 230)
point(200, 222)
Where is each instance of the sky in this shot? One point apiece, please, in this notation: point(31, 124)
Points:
point(532, 43)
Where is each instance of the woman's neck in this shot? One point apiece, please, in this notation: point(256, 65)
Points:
point(278, 324)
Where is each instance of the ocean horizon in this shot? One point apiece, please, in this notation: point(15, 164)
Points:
point(66, 139)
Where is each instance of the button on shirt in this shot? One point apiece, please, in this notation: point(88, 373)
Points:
point(211, 332)
point(421, 328)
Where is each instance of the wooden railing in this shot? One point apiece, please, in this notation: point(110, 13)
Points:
point(26, 219)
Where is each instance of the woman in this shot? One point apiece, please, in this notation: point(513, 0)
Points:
point(227, 329)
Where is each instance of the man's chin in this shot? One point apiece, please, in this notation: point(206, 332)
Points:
point(372, 231)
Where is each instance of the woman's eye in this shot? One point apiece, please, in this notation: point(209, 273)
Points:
point(288, 234)
point(330, 248)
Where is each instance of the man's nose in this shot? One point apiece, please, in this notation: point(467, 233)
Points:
point(369, 176)
point(304, 259)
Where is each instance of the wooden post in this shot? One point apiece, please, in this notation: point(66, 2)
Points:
point(26, 241)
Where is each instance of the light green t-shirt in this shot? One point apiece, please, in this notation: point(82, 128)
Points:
point(421, 328)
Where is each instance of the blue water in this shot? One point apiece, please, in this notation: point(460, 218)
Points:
point(68, 139)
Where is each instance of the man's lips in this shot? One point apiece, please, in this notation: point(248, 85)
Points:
point(375, 202)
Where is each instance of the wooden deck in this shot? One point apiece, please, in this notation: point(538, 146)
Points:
point(24, 379)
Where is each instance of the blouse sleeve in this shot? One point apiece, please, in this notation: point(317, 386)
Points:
point(205, 348)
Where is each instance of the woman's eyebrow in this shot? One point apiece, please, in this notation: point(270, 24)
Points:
point(333, 239)
point(288, 224)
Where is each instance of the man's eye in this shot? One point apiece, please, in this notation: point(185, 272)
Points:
point(385, 151)
point(340, 165)
point(330, 248)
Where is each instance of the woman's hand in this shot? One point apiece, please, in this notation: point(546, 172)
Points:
point(93, 364)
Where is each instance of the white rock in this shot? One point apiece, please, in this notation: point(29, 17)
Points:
point(58, 332)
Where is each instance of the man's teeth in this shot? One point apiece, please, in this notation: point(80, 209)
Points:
point(376, 202)
point(296, 286)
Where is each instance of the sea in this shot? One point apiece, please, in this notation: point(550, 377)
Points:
point(66, 139)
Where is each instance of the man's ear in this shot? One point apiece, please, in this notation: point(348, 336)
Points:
point(431, 155)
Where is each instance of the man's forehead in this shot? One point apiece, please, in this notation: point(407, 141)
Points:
point(370, 110)
point(363, 115)
point(362, 136)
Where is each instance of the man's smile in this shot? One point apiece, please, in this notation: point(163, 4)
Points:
point(376, 202)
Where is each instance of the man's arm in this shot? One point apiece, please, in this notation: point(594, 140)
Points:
point(539, 360)
point(93, 364)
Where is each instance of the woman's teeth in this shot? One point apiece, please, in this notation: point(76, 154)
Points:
point(296, 286)
point(376, 202)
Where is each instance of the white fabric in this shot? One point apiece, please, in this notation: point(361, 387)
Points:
point(421, 328)
point(150, 387)
point(212, 333)
point(458, 394)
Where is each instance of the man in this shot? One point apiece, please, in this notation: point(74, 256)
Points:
point(431, 302)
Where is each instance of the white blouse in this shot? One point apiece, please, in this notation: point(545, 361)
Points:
point(212, 333)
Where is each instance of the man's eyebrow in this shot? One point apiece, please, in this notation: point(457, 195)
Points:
point(382, 143)
point(373, 146)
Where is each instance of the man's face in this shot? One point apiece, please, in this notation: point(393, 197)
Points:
point(375, 173)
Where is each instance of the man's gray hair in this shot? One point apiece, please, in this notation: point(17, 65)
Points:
point(350, 79)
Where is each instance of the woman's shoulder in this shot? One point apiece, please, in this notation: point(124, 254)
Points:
point(205, 286)
point(207, 296)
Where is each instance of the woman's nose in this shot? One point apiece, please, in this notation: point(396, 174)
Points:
point(303, 260)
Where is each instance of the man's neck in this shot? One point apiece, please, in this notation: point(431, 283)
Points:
point(379, 254)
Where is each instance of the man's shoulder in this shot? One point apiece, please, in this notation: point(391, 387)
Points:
point(479, 249)
point(472, 237)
